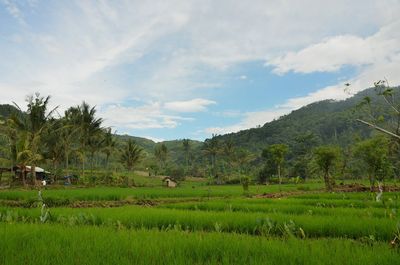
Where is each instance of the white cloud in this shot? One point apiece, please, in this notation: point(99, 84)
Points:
point(333, 53)
point(193, 105)
point(250, 120)
point(13, 9)
point(154, 139)
point(185, 48)
point(148, 116)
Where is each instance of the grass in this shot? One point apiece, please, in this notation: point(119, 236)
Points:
point(56, 244)
point(256, 223)
point(69, 194)
point(199, 225)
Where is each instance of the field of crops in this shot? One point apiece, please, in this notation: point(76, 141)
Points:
point(199, 225)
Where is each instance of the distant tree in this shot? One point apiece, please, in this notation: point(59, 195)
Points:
point(374, 154)
point(177, 173)
point(325, 158)
point(229, 151)
point(242, 158)
point(186, 149)
point(211, 148)
point(8, 130)
point(161, 154)
point(276, 154)
point(301, 153)
point(96, 144)
point(131, 155)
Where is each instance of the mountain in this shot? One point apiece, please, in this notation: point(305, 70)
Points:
point(175, 147)
point(332, 122)
point(6, 110)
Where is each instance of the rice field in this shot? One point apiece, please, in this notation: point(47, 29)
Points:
point(200, 225)
point(65, 195)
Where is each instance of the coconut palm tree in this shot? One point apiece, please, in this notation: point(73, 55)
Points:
point(228, 151)
point(109, 145)
point(31, 127)
point(68, 134)
point(89, 127)
point(186, 148)
point(161, 154)
point(131, 155)
point(211, 148)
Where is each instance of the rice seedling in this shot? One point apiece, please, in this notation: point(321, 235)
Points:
point(56, 244)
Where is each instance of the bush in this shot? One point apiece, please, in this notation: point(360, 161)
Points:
point(177, 173)
point(233, 181)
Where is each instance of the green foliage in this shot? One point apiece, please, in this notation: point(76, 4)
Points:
point(275, 156)
point(131, 155)
point(325, 158)
point(161, 154)
point(177, 173)
point(92, 245)
point(374, 155)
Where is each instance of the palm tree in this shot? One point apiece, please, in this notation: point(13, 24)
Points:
point(96, 144)
point(109, 145)
point(211, 148)
point(32, 126)
point(186, 148)
point(89, 127)
point(242, 157)
point(131, 155)
point(161, 153)
point(229, 152)
point(54, 145)
point(68, 134)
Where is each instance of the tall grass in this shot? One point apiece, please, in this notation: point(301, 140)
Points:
point(69, 194)
point(234, 222)
point(55, 244)
point(286, 207)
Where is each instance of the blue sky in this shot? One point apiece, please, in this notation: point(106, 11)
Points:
point(187, 69)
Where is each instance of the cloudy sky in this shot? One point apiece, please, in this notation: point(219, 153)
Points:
point(187, 69)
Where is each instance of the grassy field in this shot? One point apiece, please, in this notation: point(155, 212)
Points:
point(199, 225)
point(55, 244)
point(69, 194)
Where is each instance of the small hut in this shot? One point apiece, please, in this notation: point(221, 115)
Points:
point(22, 171)
point(169, 182)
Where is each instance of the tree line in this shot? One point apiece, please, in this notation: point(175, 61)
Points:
point(77, 142)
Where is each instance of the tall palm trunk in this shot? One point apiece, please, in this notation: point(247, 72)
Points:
point(33, 174)
point(67, 161)
point(327, 180)
point(279, 174)
point(107, 160)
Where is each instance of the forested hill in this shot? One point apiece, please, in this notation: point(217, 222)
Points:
point(6, 110)
point(175, 147)
point(330, 122)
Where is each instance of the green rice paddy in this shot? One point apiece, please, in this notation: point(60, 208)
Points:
point(200, 225)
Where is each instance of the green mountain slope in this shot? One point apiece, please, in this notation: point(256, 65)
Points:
point(332, 122)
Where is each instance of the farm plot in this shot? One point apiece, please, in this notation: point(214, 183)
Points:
point(318, 228)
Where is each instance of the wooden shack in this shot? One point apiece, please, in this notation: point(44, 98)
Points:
point(23, 173)
point(169, 182)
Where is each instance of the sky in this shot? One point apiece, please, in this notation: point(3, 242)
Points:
point(188, 69)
